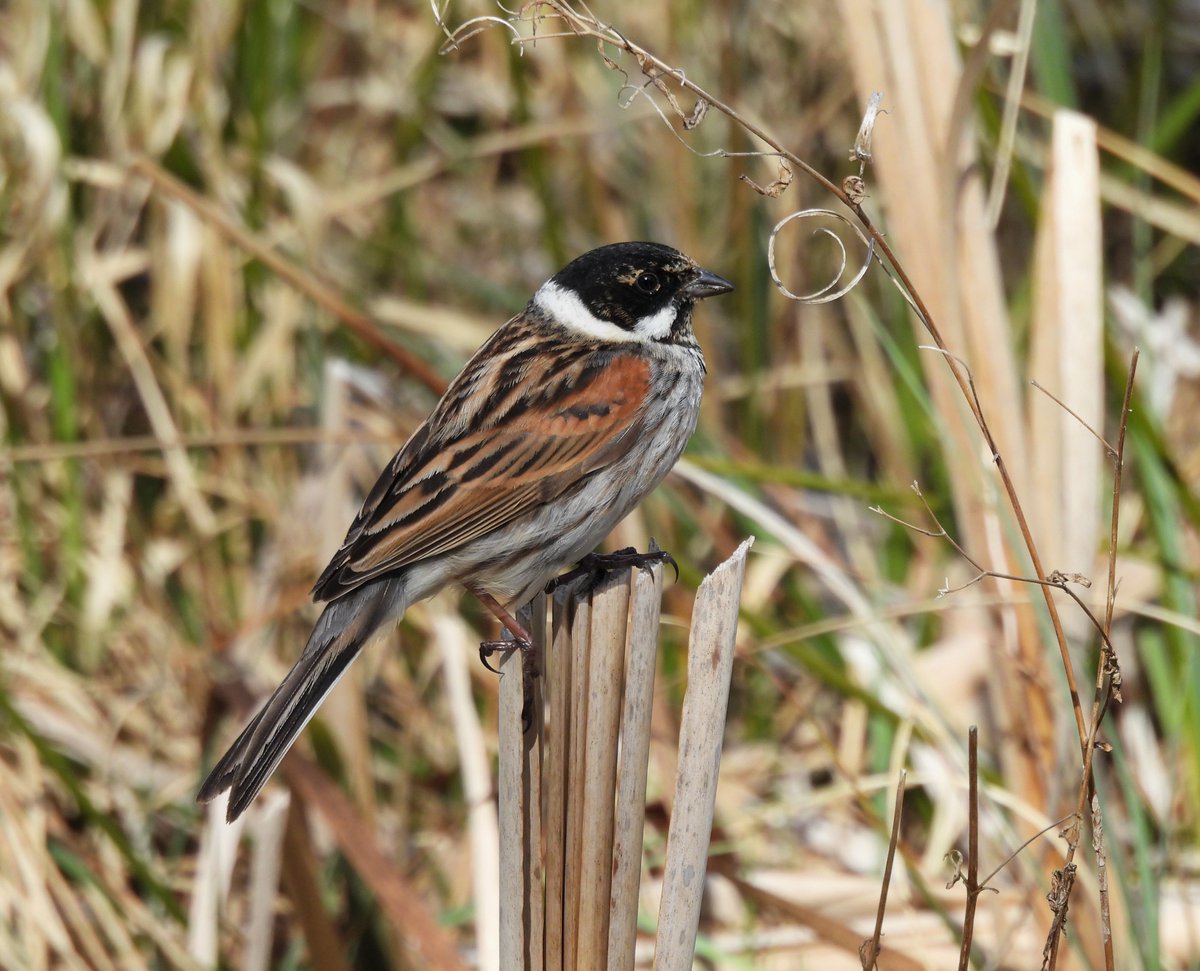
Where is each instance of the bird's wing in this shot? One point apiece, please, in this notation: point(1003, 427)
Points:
point(504, 440)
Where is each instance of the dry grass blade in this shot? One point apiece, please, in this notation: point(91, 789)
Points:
point(116, 313)
point(301, 882)
point(825, 927)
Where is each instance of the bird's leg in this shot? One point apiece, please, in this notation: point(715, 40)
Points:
point(596, 566)
point(522, 641)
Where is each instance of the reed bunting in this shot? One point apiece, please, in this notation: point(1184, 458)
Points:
point(557, 427)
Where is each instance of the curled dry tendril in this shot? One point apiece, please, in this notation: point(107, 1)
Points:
point(477, 25)
point(577, 20)
point(827, 293)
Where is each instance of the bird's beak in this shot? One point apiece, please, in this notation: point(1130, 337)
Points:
point(706, 284)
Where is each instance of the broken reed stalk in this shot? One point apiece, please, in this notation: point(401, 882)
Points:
point(701, 732)
point(572, 791)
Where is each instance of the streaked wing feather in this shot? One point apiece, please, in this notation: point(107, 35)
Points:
point(466, 473)
point(396, 546)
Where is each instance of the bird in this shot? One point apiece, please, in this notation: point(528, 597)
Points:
point(562, 421)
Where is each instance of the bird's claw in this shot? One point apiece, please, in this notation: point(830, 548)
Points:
point(596, 566)
point(529, 671)
point(487, 649)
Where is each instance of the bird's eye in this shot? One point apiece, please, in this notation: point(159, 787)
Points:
point(648, 283)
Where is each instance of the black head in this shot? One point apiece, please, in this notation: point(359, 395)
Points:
point(629, 291)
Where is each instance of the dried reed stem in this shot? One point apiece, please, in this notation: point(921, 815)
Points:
point(631, 767)
point(558, 676)
point(519, 793)
point(701, 734)
point(610, 605)
point(590, 762)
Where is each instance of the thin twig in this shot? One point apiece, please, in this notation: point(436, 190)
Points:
point(1108, 683)
point(1118, 469)
point(869, 952)
point(1112, 452)
point(1056, 579)
point(964, 954)
point(984, 883)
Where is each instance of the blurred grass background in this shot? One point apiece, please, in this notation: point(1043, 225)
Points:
point(186, 435)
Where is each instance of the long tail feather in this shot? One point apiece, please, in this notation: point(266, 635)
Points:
point(340, 634)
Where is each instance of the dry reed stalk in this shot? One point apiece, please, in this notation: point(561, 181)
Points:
point(558, 674)
point(605, 682)
point(576, 728)
point(214, 868)
point(701, 735)
point(519, 798)
point(591, 767)
point(644, 610)
point(1067, 352)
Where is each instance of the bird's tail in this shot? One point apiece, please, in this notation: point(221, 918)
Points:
point(340, 634)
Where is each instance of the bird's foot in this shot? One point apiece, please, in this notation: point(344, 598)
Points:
point(529, 670)
point(489, 648)
point(521, 641)
point(596, 567)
